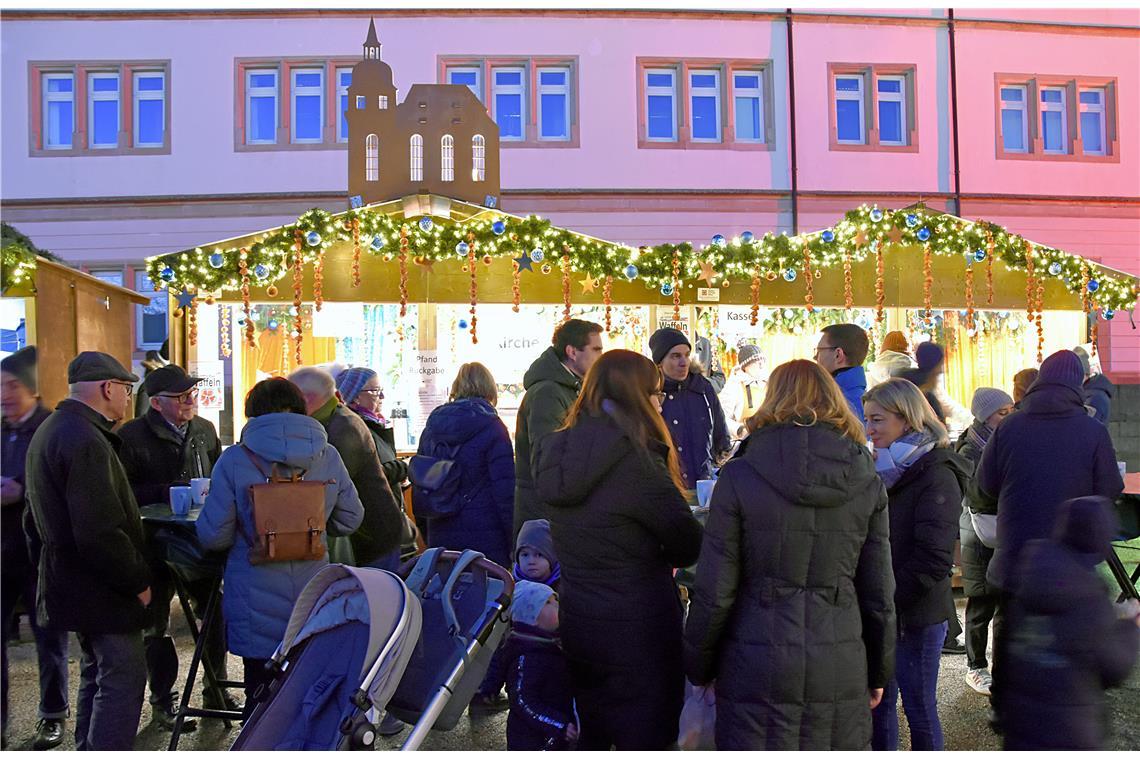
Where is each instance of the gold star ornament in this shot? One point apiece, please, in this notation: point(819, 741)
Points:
point(895, 234)
point(588, 284)
point(708, 274)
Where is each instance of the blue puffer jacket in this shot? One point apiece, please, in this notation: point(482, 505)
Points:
point(487, 462)
point(695, 420)
point(259, 599)
point(853, 383)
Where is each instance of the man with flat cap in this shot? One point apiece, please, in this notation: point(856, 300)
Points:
point(94, 578)
point(171, 445)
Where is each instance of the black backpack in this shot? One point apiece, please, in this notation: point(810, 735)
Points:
point(436, 482)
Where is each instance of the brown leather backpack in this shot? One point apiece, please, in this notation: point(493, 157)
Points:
point(288, 516)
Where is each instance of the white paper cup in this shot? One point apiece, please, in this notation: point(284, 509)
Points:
point(199, 487)
point(1123, 467)
point(180, 499)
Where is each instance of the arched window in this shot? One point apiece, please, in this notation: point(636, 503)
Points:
point(371, 158)
point(416, 155)
point(478, 158)
point(447, 159)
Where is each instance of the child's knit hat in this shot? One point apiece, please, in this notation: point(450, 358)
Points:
point(535, 534)
point(528, 601)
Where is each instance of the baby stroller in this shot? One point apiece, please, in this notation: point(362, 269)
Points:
point(466, 601)
point(347, 643)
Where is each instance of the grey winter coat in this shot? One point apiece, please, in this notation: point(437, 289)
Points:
point(259, 599)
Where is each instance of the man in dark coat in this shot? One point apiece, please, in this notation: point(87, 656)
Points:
point(1046, 453)
point(552, 384)
point(94, 577)
point(376, 543)
point(23, 414)
point(171, 445)
point(691, 408)
point(841, 351)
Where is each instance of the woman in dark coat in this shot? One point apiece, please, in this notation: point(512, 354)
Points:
point(792, 611)
point(924, 480)
point(620, 525)
point(486, 461)
point(359, 389)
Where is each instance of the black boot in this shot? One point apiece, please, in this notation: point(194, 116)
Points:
point(49, 733)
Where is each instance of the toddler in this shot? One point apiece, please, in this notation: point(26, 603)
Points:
point(534, 554)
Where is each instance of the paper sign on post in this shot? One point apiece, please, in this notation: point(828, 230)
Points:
point(212, 389)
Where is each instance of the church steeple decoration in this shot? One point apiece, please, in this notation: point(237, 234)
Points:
point(372, 43)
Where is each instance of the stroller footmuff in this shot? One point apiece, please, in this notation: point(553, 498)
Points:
point(348, 641)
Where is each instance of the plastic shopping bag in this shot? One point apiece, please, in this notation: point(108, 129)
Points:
point(698, 719)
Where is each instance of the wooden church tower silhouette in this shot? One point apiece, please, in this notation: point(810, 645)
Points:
point(440, 140)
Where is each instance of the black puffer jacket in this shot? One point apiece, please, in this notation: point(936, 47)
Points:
point(793, 610)
point(924, 506)
point(395, 469)
point(538, 683)
point(155, 458)
point(976, 556)
point(620, 526)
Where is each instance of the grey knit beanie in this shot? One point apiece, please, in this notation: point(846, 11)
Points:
point(987, 401)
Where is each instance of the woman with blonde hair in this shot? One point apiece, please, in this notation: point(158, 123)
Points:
point(792, 613)
point(620, 523)
point(925, 480)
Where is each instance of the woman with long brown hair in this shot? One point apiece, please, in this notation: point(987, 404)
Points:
point(792, 613)
point(621, 524)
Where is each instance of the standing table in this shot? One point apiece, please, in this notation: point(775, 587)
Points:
point(1128, 510)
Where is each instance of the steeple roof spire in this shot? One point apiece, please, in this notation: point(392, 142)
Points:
point(372, 42)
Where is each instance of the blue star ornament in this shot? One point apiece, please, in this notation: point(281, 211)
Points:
point(524, 262)
point(185, 299)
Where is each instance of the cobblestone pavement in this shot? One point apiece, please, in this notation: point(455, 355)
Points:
point(962, 710)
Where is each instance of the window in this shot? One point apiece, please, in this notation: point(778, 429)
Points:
point(1014, 121)
point(507, 92)
point(554, 104)
point(361, 102)
point(468, 75)
point(892, 109)
point(1092, 121)
point(383, 102)
point(849, 118)
point(149, 109)
point(704, 101)
point(59, 110)
point(1054, 131)
point(478, 159)
point(416, 153)
point(103, 110)
point(371, 158)
point(113, 276)
point(150, 320)
point(261, 106)
point(748, 91)
point(660, 104)
point(308, 101)
point(343, 82)
point(447, 159)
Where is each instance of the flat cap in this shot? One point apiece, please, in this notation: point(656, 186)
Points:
point(91, 366)
point(169, 379)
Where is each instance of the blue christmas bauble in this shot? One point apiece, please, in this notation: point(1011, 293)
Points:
point(498, 227)
point(912, 220)
point(273, 324)
point(1109, 313)
point(718, 240)
point(537, 255)
point(377, 243)
point(261, 271)
point(979, 255)
point(426, 224)
point(747, 236)
point(313, 238)
point(790, 274)
point(923, 234)
point(631, 272)
point(167, 274)
point(876, 215)
point(827, 236)
point(462, 324)
point(216, 260)
point(666, 288)
point(1055, 268)
point(1093, 286)
point(462, 248)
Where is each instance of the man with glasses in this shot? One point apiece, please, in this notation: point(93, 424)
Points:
point(841, 351)
point(169, 446)
point(94, 577)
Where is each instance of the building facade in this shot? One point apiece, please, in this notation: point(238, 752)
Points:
point(641, 127)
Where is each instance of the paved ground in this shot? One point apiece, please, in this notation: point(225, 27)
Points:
point(962, 711)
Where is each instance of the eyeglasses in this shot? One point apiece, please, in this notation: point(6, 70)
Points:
point(189, 397)
point(128, 386)
point(660, 396)
point(374, 392)
point(825, 348)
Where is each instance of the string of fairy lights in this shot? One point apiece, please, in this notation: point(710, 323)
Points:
point(534, 242)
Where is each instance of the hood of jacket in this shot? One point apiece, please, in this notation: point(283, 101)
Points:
point(292, 439)
point(894, 362)
point(1100, 384)
point(814, 465)
point(934, 458)
point(574, 460)
point(1053, 400)
point(460, 421)
point(548, 367)
point(1052, 578)
point(695, 382)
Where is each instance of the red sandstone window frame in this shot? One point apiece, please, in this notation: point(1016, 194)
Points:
point(80, 72)
point(530, 66)
point(870, 73)
point(726, 68)
point(330, 124)
point(1074, 145)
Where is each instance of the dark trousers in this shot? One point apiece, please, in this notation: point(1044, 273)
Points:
point(1001, 640)
point(254, 674)
point(161, 655)
point(979, 612)
point(955, 629)
point(112, 683)
point(18, 581)
point(918, 654)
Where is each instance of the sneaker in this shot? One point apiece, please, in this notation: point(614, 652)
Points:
point(164, 716)
point(391, 725)
point(979, 680)
point(210, 702)
point(952, 646)
point(489, 703)
point(49, 733)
